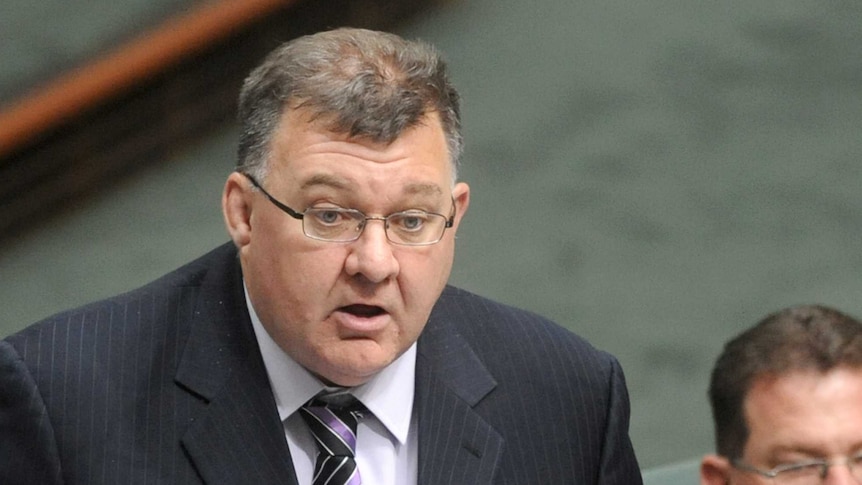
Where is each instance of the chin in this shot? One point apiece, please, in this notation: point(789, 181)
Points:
point(355, 360)
point(351, 378)
point(356, 372)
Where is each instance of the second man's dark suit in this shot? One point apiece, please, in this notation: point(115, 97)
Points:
point(165, 384)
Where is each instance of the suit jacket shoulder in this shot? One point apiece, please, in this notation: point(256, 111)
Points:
point(558, 407)
point(163, 384)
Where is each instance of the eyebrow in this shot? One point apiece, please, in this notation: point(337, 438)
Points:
point(341, 183)
point(811, 451)
point(423, 189)
point(326, 180)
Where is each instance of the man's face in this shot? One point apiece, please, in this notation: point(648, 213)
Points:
point(802, 416)
point(344, 310)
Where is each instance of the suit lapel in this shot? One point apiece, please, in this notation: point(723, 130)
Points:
point(237, 440)
point(456, 445)
point(236, 437)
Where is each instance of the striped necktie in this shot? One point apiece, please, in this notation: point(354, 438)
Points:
point(334, 429)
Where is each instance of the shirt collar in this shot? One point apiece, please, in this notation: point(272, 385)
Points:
point(388, 395)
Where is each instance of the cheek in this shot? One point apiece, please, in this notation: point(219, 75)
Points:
point(441, 262)
point(302, 282)
point(290, 277)
point(288, 259)
point(423, 277)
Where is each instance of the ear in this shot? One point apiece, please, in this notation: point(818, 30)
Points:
point(461, 194)
point(236, 208)
point(714, 470)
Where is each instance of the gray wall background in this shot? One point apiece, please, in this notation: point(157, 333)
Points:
point(653, 175)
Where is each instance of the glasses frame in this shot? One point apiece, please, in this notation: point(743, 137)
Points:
point(450, 221)
point(823, 466)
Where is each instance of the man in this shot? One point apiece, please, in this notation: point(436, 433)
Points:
point(328, 318)
point(787, 402)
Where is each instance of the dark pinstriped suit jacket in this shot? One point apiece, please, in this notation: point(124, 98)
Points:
point(166, 385)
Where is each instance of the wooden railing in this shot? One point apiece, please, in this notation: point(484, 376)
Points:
point(152, 53)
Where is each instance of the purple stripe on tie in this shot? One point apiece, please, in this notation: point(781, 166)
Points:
point(354, 479)
point(331, 421)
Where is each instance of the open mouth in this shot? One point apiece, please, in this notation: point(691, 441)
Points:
point(364, 311)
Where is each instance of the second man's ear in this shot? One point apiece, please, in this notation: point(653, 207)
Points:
point(714, 470)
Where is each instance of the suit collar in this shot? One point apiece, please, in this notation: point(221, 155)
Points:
point(220, 338)
point(456, 444)
point(237, 436)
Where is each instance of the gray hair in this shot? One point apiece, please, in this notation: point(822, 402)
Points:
point(365, 84)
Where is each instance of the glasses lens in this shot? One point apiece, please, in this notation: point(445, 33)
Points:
point(415, 228)
point(332, 224)
point(409, 228)
point(807, 474)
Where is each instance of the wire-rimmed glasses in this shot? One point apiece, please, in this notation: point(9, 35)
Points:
point(412, 227)
point(808, 472)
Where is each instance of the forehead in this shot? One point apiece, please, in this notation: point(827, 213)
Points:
point(805, 411)
point(313, 155)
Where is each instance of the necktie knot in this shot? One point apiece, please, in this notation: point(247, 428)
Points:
point(333, 422)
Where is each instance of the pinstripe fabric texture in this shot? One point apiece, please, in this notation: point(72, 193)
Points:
point(507, 397)
point(165, 385)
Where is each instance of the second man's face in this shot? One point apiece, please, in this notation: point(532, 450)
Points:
point(805, 415)
point(797, 417)
point(345, 310)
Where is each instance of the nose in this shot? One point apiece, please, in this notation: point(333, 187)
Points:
point(371, 255)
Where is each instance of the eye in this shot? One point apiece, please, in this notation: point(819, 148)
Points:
point(409, 221)
point(329, 216)
point(800, 471)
